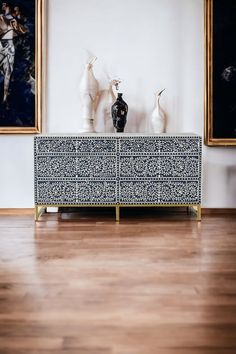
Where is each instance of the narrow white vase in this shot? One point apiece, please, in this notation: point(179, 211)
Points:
point(158, 119)
point(89, 88)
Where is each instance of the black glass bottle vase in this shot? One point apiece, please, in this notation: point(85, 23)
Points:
point(119, 112)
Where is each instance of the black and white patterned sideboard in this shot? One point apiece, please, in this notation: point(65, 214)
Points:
point(118, 170)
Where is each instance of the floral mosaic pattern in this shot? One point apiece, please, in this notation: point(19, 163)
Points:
point(101, 166)
point(139, 145)
point(179, 192)
point(180, 145)
point(69, 144)
point(50, 145)
point(97, 192)
point(184, 145)
point(56, 166)
point(164, 166)
point(162, 192)
point(136, 192)
point(97, 145)
point(118, 169)
point(73, 166)
point(56, 192)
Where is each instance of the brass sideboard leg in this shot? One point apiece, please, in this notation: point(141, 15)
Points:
point(199, 214)
point(117, 213)
point(197, 211)
point(38, 212)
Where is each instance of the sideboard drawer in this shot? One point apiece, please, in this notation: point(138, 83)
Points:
point(71, 165)
point(136, 145)
point(92, 145)
point(161, 192)
point(76, 192)
point(159, 166)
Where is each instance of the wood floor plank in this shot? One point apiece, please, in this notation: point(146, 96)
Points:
point(155, 283)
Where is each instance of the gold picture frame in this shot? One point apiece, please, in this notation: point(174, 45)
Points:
point(29, 28)
point(218, 108)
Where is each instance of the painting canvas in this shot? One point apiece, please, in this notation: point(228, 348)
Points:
point(220, 105)
point(20, 66)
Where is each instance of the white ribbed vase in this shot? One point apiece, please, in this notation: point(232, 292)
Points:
point(89, 88)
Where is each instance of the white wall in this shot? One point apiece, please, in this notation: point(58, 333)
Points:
point(150, 45)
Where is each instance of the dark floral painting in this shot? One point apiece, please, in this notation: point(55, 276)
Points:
point(19, 42)
point(220, 128)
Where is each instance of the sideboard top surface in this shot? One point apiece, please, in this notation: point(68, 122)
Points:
point(118, 135)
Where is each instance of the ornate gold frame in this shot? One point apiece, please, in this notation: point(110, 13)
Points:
point(209, 140)
point(39, 30)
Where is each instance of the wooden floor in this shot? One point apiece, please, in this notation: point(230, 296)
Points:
point(158, 282)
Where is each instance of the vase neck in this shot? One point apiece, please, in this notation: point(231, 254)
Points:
point(158, 101)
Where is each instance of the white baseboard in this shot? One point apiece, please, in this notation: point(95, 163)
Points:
point(52, 210)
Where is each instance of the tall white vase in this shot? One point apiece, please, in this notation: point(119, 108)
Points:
point(158, 118)
point(89, 88)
